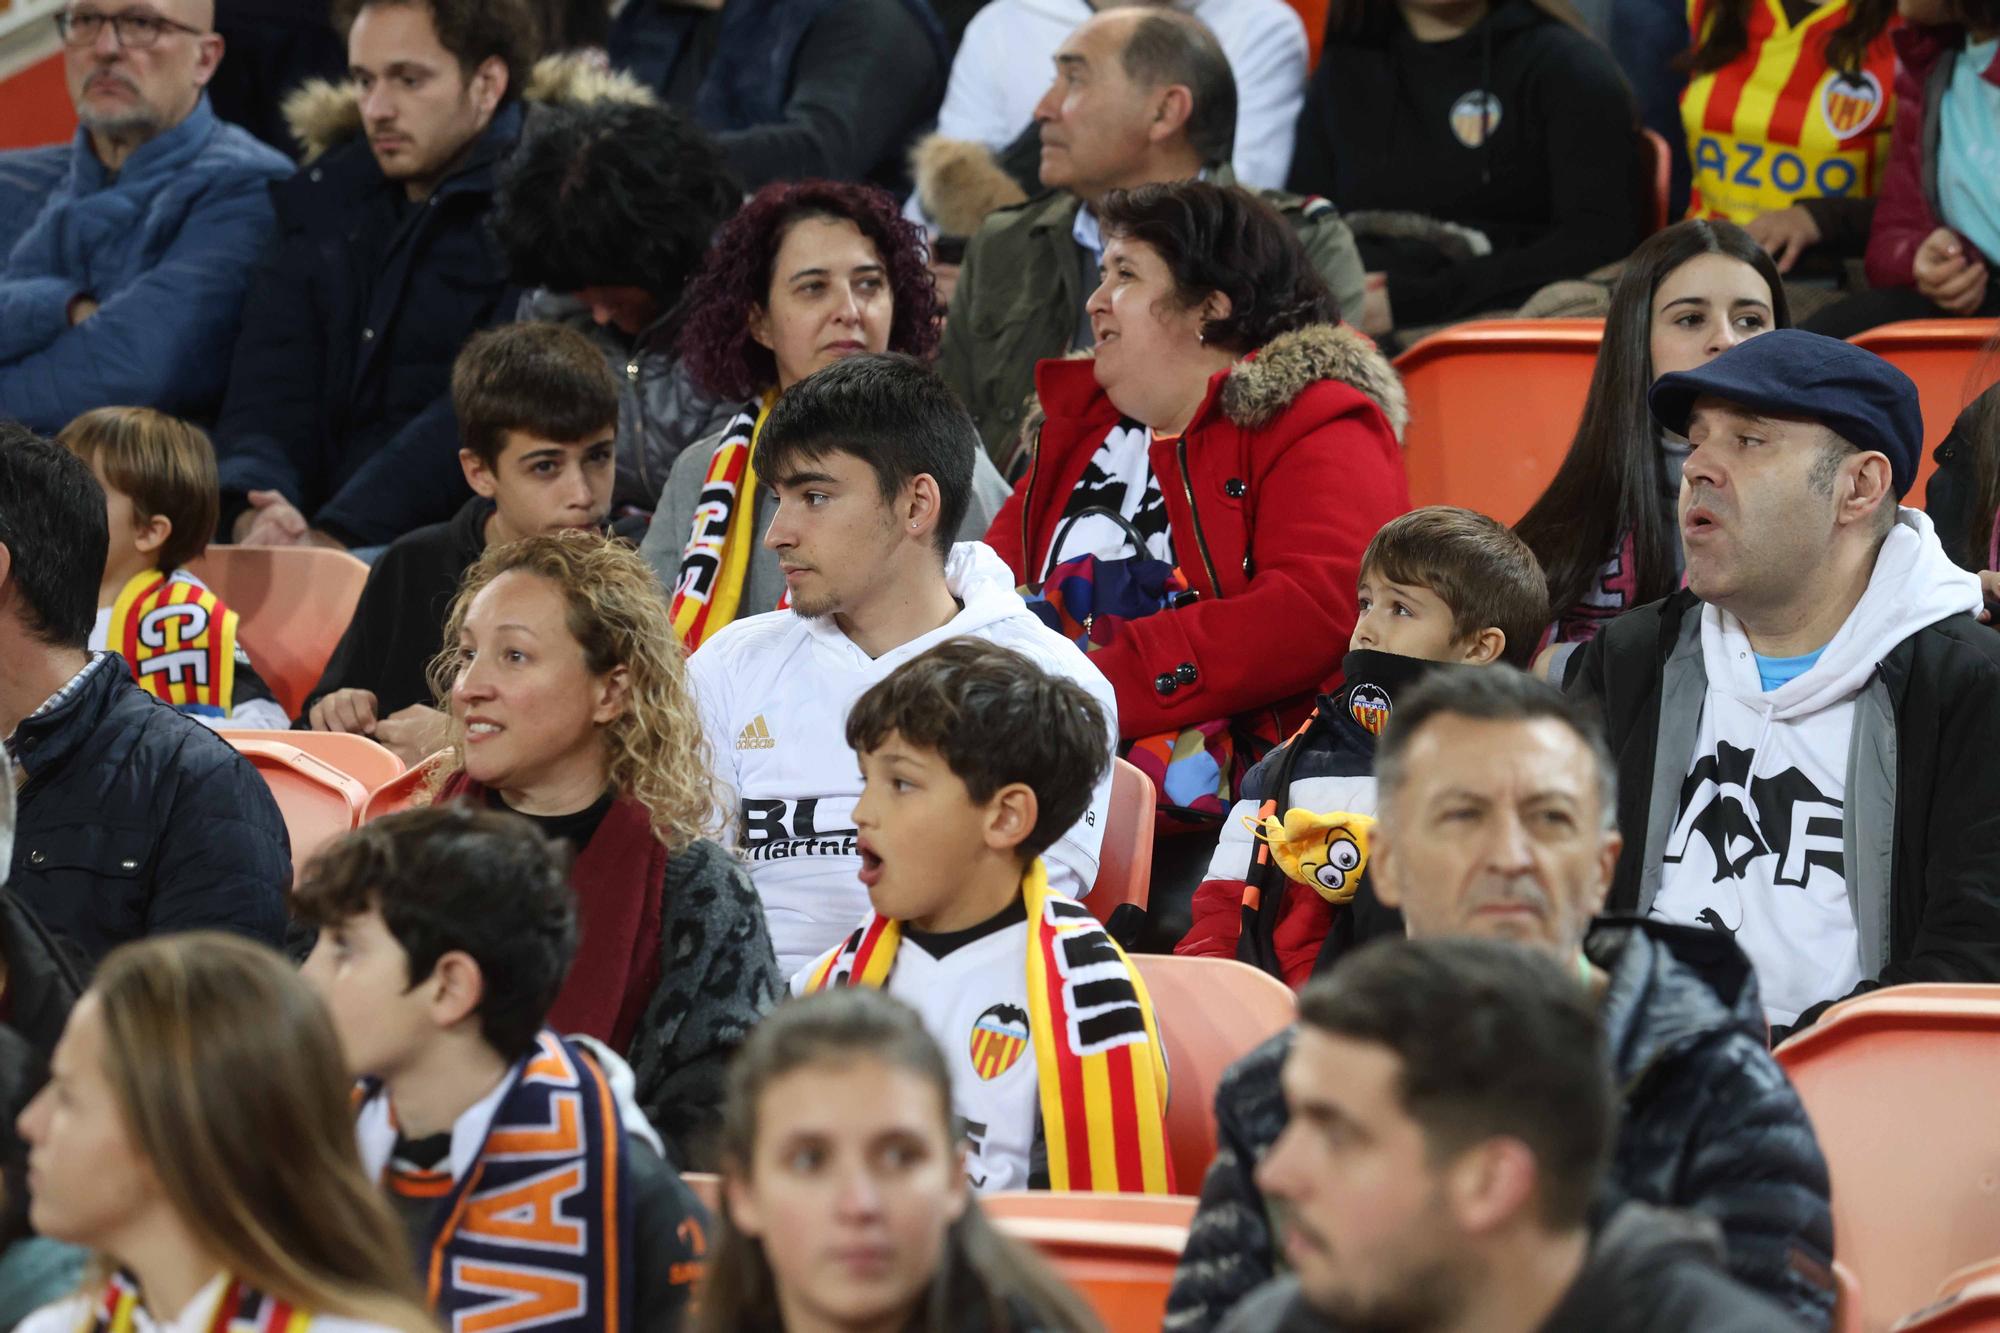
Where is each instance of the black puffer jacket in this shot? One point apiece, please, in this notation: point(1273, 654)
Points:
point(1709, 1125)
point(137, 820)
point(42, 979)
point(1710, 1122)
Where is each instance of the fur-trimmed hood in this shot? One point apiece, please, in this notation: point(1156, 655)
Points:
point(959, 182)
point(322, 115)
point(1261, 387)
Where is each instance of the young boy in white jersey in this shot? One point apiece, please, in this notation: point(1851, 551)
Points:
point(973, 761)
point(532, 1189)
point(178, 638)
point(870, 460)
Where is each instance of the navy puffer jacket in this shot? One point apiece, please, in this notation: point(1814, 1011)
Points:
point(1709, 1125)
point(137, 820)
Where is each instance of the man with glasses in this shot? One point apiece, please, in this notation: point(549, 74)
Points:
point(122, 253)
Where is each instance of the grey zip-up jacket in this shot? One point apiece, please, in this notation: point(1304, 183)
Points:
point(1921, 826)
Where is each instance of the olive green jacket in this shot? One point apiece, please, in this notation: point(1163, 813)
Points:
point(1021, 292)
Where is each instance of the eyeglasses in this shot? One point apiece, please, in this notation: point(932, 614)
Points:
point(136, 28)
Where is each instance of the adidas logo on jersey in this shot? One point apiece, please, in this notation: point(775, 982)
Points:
point(756, 736)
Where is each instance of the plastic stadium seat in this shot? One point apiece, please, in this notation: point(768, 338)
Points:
point(294, 603)
point(1125, 864)
point(1118, 1252)
point(318, 801)
point(1211, 1012)
point(362, 759)
point(1493, 406)
point(400, 792)
point(1901, 1089)
point(1657, 161)
point(706, 1186)
point(1948, 360)
point(1974, 1308)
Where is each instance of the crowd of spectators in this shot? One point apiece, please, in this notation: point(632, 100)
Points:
point(805, 453)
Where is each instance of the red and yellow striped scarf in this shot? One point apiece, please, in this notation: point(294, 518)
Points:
point(239, 1310)
point(1098, 1058)
point(716, 559)
point(179, 641)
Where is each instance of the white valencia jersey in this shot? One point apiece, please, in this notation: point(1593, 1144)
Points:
point(974, 1000)
point(774, 691)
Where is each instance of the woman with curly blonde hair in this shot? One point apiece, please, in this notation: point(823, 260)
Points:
point(569, 706)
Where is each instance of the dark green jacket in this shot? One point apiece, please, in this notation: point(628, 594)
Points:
point(1021, 292)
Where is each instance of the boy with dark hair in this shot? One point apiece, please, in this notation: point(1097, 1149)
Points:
point(523, 1170)
point(1441, 588)
point(134, 818)
point(974, 761)
point(870, 461)
point(537, 412)
point(1451, 1119)
point(178, 637)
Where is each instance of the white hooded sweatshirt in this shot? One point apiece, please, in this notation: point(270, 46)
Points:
point(774, 692)
point(1758, 843)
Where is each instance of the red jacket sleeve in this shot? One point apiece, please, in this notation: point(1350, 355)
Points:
point(1004, 534)
point(1320, 498)
point(1903, 217)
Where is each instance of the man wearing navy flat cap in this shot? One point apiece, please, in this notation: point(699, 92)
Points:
point(1807, 733)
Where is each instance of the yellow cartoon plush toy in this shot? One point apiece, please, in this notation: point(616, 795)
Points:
point(1327, 852)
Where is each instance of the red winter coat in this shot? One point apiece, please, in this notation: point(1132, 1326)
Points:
point(1285, 472)
point(1906, 205)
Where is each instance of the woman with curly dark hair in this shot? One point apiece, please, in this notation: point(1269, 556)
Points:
point(1232, 426)
point(805, 274)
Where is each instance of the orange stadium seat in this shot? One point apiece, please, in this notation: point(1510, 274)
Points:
point(1948, 360)
point(1125, 863)
point(318, 801)
point(400, 792)
point(1117, 1251)
point(1900, 1088)
point(1493, 405)
point(1973, 1308)
point(1211, 1012)
point(294, 603)
point(706, 1186)
point(361, 758)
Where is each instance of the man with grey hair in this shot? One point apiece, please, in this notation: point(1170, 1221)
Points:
point(1142, 95)
point(1497, 798)
point(125, 254)
point(1806, 732)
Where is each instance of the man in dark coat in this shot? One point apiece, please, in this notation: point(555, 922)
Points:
point(1451, 1115)
point(1708, 1122)
point(337, 429)
point(134, 819)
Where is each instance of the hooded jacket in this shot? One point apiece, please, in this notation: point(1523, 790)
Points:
point(1544, 169)
point(1708, 1124)
point(1918, 844)
point(1246, 907)
point(340, 397)
point(774, 691)
point(159, 244)
point(1273, 490)
point(1648, 1271)
point(136, 820)
point(1906, 206)
point(1024, 283)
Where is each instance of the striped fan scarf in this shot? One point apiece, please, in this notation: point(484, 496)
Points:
point(1098, 1058)
point(240, 1310)
point(179, 641)
point(717, 555)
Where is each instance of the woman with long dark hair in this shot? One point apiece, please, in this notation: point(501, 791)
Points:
point(805, 274)
point(1605, 529)
point(844, 1197)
